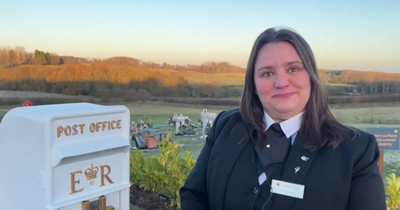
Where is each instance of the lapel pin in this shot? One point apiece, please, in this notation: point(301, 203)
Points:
point(304, 158)
point(296, 169)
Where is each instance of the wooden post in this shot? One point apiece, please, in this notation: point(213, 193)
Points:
point(381, 161)
point(85, 205)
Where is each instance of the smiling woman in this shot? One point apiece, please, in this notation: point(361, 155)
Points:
point(282, 83)
point(283, 149)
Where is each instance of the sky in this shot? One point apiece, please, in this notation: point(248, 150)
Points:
point(360, 34)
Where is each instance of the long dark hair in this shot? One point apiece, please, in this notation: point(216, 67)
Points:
point(318, 124)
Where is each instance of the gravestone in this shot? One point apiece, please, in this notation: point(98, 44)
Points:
point(179, 120)
point(139, 142)
point(65, 157)
point(207, 117)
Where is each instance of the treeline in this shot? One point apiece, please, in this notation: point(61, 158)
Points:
point(208, 67)
point(104, 80)
point(11, 57)
point(365, 82)
point(44, 71)
point(381, 82)
point(332, 100)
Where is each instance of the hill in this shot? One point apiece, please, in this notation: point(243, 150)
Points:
point(196, 77)
point(126, 78)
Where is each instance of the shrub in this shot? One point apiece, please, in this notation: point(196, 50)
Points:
point(165, 173)
point(393, 190)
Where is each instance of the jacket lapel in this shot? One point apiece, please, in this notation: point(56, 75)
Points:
point(301, 158)
point(231, 150)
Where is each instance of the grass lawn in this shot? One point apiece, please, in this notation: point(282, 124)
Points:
point(159, 115)
point(376, 115)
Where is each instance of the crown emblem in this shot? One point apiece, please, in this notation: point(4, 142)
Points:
point(91, 173)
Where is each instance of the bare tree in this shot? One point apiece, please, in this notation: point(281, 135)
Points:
point(20, 54)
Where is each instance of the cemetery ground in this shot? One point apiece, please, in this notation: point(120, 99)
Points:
point(159, 115)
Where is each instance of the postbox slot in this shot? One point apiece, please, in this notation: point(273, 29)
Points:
point(84, 157)
point(77, 148)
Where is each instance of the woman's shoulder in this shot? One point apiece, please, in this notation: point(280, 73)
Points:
point(227, 119)
point(361, 143)
point(360, 137)
point(230, 114)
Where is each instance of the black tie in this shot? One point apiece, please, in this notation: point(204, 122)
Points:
point(275, 148)
point(276, 128)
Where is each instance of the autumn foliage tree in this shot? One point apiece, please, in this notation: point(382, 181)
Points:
point(367, 82)
point(99, 79)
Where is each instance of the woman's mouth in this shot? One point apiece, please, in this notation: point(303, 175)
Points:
point(283, 95)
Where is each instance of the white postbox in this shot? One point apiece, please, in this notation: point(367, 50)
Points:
point(65, 157)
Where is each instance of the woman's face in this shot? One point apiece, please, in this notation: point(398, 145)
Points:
point(281, 80)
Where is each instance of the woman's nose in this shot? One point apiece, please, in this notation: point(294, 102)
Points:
point(281, 80)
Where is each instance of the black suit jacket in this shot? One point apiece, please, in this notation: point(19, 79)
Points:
point(344, 178)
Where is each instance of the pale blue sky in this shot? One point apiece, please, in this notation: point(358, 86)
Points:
point(343, 34)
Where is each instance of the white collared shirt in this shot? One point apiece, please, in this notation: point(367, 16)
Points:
point(290, 127)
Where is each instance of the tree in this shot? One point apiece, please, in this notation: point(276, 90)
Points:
point(13, 58)
point(61, 61)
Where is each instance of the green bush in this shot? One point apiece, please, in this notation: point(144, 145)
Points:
point(165, 173)
point(393, 190)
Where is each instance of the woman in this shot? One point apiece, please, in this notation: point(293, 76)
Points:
point(283, 149)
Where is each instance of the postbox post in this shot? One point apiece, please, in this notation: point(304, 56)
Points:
point(381, 161)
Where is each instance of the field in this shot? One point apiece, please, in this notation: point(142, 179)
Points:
point(12, 98)
point(219, 79)
point(360, 118)
point(199, 77)
point(32, 94)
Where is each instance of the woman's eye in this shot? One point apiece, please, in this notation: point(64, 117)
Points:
point(292, 69)
point(267, 74)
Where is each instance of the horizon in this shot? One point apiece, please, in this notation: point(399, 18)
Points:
point(342, 35)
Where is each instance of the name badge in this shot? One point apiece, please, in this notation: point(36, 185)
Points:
point(287, 189)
